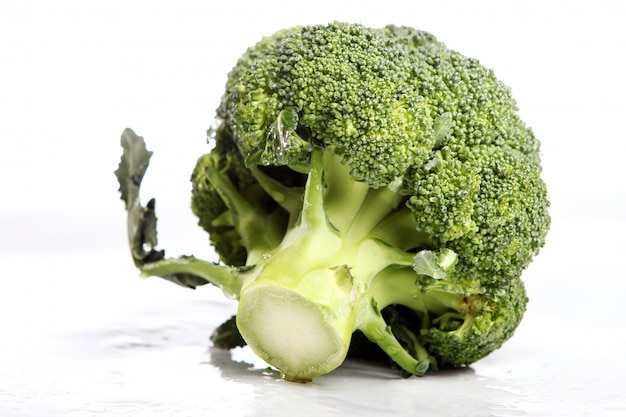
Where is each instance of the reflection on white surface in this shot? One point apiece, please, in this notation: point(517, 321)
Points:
point(120, 346)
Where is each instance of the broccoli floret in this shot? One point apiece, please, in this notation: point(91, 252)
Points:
point(480, 325)
point(346, 86)
point(213, 213)
point(366, 182)
point(489, 205)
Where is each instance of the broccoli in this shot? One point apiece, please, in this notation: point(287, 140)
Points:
point(361, 182)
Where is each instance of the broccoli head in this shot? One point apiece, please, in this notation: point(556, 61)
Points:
point(366, 182)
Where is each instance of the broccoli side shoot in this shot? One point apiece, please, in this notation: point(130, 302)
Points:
point(365, 182)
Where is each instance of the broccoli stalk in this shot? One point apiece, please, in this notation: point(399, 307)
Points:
point(308, 296)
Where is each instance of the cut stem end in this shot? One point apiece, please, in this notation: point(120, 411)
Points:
point(292, 333)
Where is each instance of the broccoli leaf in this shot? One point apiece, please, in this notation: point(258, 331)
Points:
point(142, 221)
point(227, 336)
point(436, 265)
point(133, 165)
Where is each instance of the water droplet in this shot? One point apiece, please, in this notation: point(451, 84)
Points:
point(215, 127)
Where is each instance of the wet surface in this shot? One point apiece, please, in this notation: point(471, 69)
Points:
point(108, 343)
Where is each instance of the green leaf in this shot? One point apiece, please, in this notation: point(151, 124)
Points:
point(133, 165)
point(285, 146)
point(142, 221)
point(435, 264)
point(142, 228)
point(227, 335)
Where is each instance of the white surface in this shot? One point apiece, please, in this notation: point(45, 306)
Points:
point(90, 340)
point(80, 335)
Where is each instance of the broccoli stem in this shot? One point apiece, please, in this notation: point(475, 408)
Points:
point(378, 204)
point(258, 237)
point(398, 229)
point(377, 330)
point(297, 309)
point(300, 304)
point(313, 208)
point(344, 196)
point(228, 279)
point(289, 198)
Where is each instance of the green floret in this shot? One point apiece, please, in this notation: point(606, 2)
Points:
point(510, 213)
point(477, 107)
point(350, 89)
point(480, 325)
point(445, 192)
point(366, 182)
point(235, 225)
point(490, 206)
point(206, 203)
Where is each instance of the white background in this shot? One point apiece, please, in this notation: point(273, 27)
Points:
point(81, 335)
